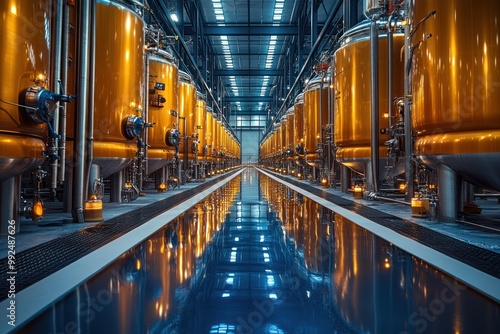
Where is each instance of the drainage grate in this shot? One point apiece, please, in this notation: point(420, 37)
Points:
point(40, 261)
point(474, 256)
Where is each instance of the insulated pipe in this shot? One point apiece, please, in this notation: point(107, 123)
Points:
point(80, 148)
point(374, 103)
point(447, 194)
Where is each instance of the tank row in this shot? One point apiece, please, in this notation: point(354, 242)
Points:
point(423, 123)
point(77, 119)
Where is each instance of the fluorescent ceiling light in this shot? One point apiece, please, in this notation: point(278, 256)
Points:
point(219, 17)
point(277, 17)
point(174, 17)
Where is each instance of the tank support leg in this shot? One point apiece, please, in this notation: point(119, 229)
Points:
point(116, 187)
point(447, 194)
point(345, 174)
point(10, 191)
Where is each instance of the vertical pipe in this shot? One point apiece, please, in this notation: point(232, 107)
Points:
point(64, 82)
point(407, 116)
point(55, 77)
point(10, 193)
point(314, 22)
point(374, 104)
point(389, 69)
point(447, 194)
point(80, 149)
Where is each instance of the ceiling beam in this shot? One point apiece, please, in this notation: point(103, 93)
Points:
point(257, 30)
point(248, 73)
point(248, 99)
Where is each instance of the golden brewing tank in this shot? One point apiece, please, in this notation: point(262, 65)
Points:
point(456, 87)
point(298, 127)
point(216, 140)
point(290, 130)
point(207, 148)
point(25, 63)
point(162, 109)
point(352, 91)
point(316, 117)
point(119, 85)
point(187, 108)
point(284, 133)
point(200, 123)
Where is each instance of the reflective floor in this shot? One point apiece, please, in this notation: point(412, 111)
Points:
point(257, 257)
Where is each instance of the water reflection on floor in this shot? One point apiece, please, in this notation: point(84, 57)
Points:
point(256, 257)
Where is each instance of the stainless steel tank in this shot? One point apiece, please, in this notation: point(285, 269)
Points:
point(200, 123)
point(26, 52)
point(119, 85)
point(316, 116)
point(455, 84)
point(187, 109)
point(352, 91)
point(162, 109)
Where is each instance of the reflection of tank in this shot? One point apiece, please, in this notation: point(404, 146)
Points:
point(119, 86)
point(162, 110)
point(316, 118)
point(352, 91)
point(455, 87)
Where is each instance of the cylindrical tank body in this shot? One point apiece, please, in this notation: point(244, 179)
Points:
point(200, 124)
point(119, 84)
point(316, 116)
point(216, 136)
point(26, 42)
point(352, 90)
point(284, 134)
point(277, 142)
point(298, 110)
point(455, 87)
point(162, 109)
point(187, 108)
point(209, 134)
point(290, 129)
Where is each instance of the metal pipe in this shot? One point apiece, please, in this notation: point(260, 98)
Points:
point(389, 67)
point(10, 190)
point(447, 194)
point(55, 77)
point(64, 81)
point(91, 90)
point(80, 148)
point(374, 103)
point(407, 117)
